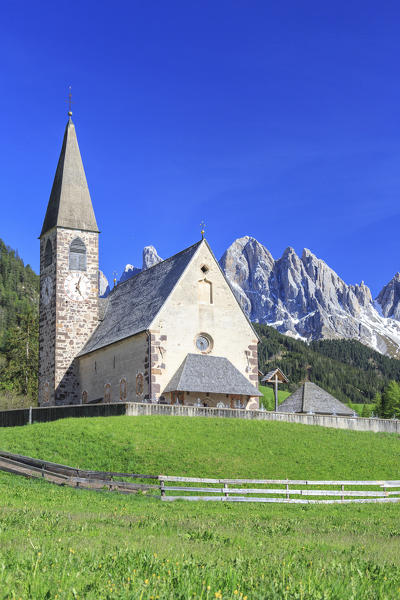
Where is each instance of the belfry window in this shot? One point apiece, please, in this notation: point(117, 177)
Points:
point(48, 254)
point(77, 255)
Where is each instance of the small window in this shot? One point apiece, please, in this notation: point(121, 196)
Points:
point(77, 255)
point(205, 269)
point(84, 397)
point(48, 254)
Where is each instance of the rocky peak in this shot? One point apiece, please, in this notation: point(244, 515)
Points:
point(389, 298)
point(129, 272)
point(304, 297)
point(150, 257)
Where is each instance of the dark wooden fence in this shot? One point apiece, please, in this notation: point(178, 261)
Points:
point(41, 414)
point(75, 477)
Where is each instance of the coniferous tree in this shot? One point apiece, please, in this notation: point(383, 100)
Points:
point(390, 403)
point(19, 373)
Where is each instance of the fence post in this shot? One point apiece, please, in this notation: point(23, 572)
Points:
point(342, 492)
point(42, 469)
point(30, 416)
point(287, 491)
point(162, 488)
point(226, 490)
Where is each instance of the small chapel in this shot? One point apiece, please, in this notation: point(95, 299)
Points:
point(174, 333)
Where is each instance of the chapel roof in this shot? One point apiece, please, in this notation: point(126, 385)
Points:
point(133, 305)
point(310, 398)
point(214, 374)
point(70, 204)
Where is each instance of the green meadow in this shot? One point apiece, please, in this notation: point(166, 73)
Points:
point(64, 543)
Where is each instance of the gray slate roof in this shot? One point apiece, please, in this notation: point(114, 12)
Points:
point(309, 397)
point(133, 304)
point(214, 374)
point(70, 204)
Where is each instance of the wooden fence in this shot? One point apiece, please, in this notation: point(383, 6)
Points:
point(75, 477)
point(278, 490)
point(226, 490)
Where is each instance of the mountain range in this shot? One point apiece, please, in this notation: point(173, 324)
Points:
point(301, 296)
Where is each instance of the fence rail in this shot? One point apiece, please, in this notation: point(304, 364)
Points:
point(236, 490)
point(73, 476)
point(295, 491)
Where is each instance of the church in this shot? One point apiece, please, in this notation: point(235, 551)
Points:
point(174, 333)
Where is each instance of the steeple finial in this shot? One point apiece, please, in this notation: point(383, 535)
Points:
point(69, 102)
point(203, 226)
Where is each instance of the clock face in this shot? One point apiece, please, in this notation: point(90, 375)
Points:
point(47, 290)
point(202, 343)
point(77, 286)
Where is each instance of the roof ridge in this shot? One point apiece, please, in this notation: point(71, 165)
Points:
point(303, 397)
point(153, 266)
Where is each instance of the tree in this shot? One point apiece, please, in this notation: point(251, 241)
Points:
point(390, 402)
point(19, 374)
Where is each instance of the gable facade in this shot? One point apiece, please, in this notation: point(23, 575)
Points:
point(202, 304)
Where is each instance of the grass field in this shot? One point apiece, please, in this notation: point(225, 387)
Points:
point(268, 399)
point(65, 543)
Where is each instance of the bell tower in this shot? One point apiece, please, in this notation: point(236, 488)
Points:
point(69, 265)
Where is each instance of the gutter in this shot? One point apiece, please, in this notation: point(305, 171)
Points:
point(149, 358)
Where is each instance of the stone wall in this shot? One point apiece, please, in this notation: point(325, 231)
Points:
point(75, 320)
point(116, 372)
point(12, 418)
point(353, 423)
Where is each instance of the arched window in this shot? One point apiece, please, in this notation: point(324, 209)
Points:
point(123, 389)
point(48, 254)
point(205, 291)
point(77, 255)
point(139, 384)
point(107, 392)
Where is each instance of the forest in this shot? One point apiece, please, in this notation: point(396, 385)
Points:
point(347, 369)
point(19, 339)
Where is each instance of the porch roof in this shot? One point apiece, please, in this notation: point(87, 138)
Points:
point(213, 374)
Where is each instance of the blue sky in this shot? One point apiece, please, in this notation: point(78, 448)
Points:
point(276, 120)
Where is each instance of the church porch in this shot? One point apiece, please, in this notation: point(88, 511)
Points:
point(213, 381)
point(207, 399)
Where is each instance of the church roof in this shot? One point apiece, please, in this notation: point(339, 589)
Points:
point(213, 374)
point(70, 205)
point(133, 304)
point(310, 398)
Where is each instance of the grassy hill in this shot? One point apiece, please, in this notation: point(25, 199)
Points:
point(66, 543)
point(206, 447)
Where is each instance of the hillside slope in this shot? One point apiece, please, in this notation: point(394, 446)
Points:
point(19, 290)
point(346, 368)
point(59, 542)
point(206, 447)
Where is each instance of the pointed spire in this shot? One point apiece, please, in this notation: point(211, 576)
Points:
point(70, 205)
